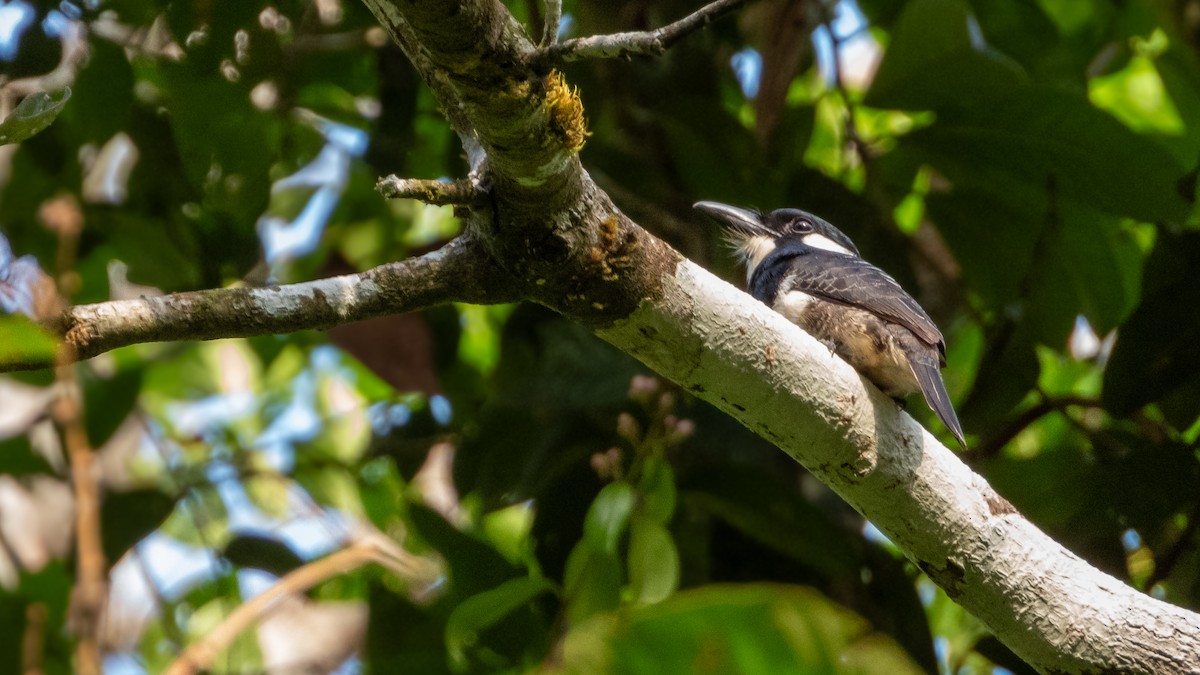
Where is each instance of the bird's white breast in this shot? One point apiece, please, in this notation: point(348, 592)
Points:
point(792, 304)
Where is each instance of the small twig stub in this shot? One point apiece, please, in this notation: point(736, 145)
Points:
point(642, 43)
point(435, 192)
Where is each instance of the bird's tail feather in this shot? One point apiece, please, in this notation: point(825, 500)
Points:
point(929, 376)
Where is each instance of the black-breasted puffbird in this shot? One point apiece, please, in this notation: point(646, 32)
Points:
point(809, 271)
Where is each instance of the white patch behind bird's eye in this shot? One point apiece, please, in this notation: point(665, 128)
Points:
point(825, 244)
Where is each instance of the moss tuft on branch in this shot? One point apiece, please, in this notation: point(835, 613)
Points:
point(566, 112)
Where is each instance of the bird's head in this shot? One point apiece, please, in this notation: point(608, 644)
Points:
point(754, 234)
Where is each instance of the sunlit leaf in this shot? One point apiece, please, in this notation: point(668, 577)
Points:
point(485, 609)
point(608, 516)
point(734, 629)
point(32, 115)
point(23, 341)
point(937, 57)
point(657, 489)
point(243, 653)
point(591, 583)
point(653, 561)
point(1049, 137)
point(509, 528)
point(1136, 96)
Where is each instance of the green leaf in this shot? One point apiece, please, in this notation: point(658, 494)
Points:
point(761, 628)
point(1065, 258)
point(608, 515)
point(657, 489)
point(127, 517)
point(1137, 96)
point(1090, 266)
point(261, 552)
point(18, 458)
point(109, 400)
point(24, 341)
point(1160, 343)
point(201, 519)
point(32, 115)
point(591, 582)
point(481, 611)
point(508, 529)
point(243, 654)
point(653, 561)
point(473, 564)
point(982, 224)
point(773, 514)
point(937, 57)
point(1049, 137)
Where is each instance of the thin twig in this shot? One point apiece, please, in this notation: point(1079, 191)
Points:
point(992, 444)
point(89, 595)
point(91, 587)
point(648, 43)
point(436, 192)
point(553, 19)
point(366, 551)
point(33, 640)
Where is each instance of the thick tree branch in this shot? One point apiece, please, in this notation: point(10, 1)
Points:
point(459, 272)
point(474, 56)
point(646, 43)
point(1053, 609)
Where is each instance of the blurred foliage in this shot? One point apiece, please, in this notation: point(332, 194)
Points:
point(1027, 169)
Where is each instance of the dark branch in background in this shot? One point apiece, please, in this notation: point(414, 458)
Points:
point(438, 193)
point(553, 20)
point(991, 445)
point(458, 272)
point(646, 43)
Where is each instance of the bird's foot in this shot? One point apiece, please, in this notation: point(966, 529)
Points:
point(830, 345)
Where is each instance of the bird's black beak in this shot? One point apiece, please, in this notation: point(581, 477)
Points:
point(742, 221)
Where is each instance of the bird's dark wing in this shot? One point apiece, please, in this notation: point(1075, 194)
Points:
point(855, 282)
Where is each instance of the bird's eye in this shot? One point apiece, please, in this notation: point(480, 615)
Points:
point(802, 225)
